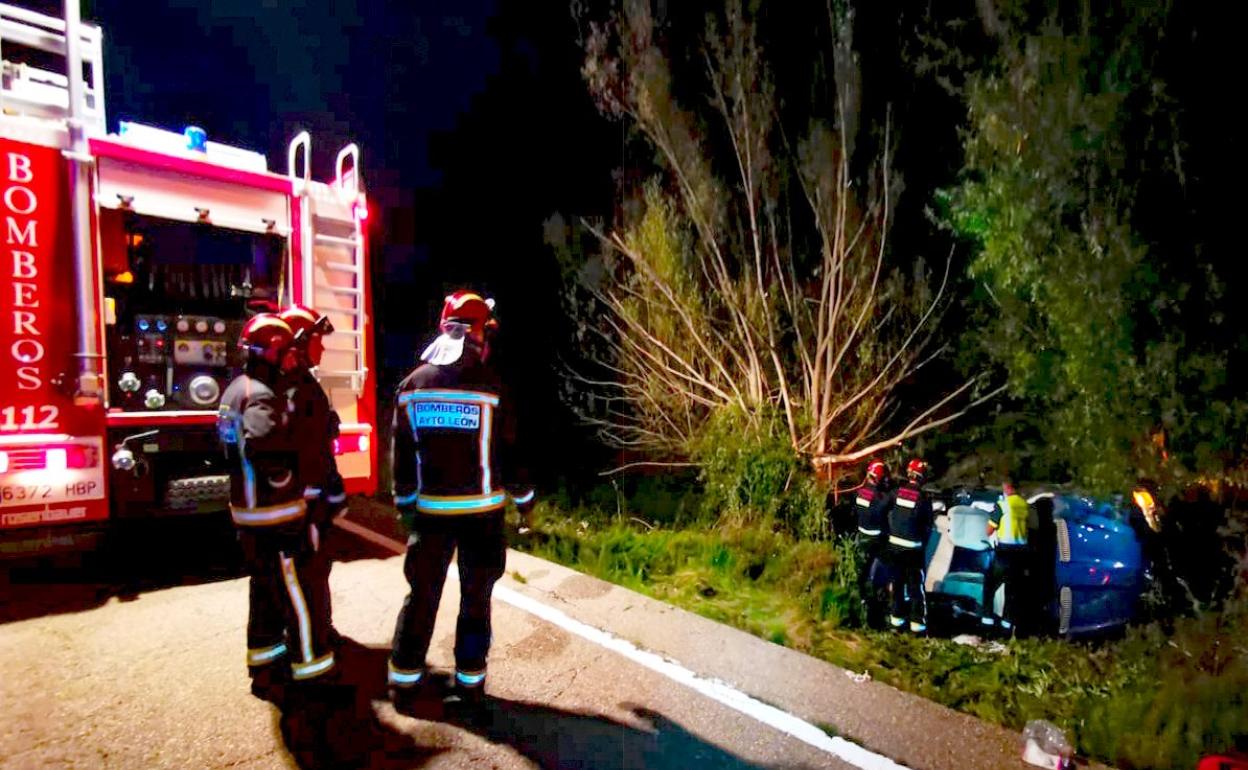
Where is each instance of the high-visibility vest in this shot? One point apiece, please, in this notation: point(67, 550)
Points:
point(1012, 530)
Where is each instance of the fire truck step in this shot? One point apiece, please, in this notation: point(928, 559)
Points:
point(342, 267)
point(189, 492)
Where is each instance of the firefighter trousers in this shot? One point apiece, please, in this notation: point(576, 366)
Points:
point(316, 573)
point(319, 563)
point(906, 579)
point(873, 577)
point(287, 611)
point(482, 553)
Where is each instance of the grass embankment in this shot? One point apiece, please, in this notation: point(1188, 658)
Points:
point(1150, 700)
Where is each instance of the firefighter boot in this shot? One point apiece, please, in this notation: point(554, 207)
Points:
point(466, 700)
point(268, 683)
point(415, 693)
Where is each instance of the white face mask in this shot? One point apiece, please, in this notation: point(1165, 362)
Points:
point(448, 347)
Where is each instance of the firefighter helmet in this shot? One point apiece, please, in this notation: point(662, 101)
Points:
point(470, 309)
point(465, 315)
point(305, 321)
point(917, 469)
point(266, 336)
point(876, 471)
point(308, 327)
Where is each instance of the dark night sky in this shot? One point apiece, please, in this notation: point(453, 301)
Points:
point(386, 75)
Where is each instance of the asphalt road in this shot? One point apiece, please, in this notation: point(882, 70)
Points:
point(137, 662)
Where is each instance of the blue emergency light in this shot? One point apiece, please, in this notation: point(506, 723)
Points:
point(196, 139)
point(192, 138)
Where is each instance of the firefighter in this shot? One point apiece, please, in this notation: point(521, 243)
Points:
point(909, 524)
point(1007, 530)
point(316, 427)
point(267, 505)
point(454, 469)
point(872, 504)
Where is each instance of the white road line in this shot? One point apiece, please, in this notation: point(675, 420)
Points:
point(714, 689)
point(370, 536)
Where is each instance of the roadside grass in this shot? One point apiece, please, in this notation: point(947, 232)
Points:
point(1156, 698)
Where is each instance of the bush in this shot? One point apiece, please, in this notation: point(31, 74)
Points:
point(751, 476)
point(1172, 697)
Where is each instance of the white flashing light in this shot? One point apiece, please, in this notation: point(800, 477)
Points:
point(4, 461)
point(363, 443)
point(186, 144)
point(236, 157)
point(151, 138)
point(56, 460)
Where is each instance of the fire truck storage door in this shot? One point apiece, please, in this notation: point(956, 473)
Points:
point(173, 195)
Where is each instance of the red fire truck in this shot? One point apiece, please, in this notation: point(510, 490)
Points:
point(131, 261)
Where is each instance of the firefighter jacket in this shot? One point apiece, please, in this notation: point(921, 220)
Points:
point(872, 505)
point(315, 425)
point(454, 439)
point(910, 518)
point(255, 427)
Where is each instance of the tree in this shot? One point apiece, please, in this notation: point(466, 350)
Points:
point(751, 273)
point(1096, 306)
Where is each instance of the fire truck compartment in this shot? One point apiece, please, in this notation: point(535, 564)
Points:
point(178, 294)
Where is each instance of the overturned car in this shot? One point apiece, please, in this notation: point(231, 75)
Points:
point(1082, 571)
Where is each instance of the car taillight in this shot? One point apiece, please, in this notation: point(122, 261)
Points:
point(54, 458)
point(81, 457)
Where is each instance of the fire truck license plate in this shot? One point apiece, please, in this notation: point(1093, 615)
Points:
point(38, 487)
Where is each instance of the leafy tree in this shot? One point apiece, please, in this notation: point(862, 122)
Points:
point(1102, 328)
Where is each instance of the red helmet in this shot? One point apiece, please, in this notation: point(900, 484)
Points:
point(876, 471)
point(304, 320)
point(266, 336)
point(472, 310)
point(308, 327)
point(917, 469)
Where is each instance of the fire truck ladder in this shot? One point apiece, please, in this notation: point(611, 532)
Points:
point(333, 277)
point(29, 90)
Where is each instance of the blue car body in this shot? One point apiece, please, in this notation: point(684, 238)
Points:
point(1099, 570)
